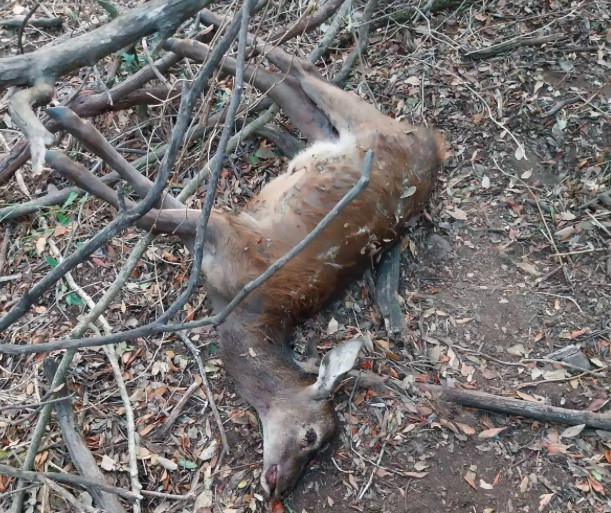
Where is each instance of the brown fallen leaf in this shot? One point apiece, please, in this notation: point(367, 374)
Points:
point(596, 485)
point(490, 433)
point(469, 477)
point(465, 428)
point(544, 500)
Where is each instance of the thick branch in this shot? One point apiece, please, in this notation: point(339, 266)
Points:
point(17, 21)
point(51, 62)
point(79, 452)
point(538, 411)
point(20, 109)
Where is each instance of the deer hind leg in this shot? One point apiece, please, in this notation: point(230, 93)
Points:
point(344, 109)
point(280, 87)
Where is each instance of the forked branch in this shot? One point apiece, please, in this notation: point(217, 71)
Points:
point(54, 61)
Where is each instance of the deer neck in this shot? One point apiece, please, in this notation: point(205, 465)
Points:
point(257, 357)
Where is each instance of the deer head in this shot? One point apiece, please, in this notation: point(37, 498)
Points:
point(301, 421)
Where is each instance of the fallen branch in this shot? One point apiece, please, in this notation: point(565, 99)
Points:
point(306, 23)
point(51, 62)
point(48, 200)
point(69, 479)
point(387, 290)
point(508, 405)
point(17, 21)
point(20, 109)
point(512, 44)
point(79, 452)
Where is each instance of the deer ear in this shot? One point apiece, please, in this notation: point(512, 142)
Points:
point(334, 365)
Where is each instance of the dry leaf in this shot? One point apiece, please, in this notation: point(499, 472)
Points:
point(573, 431)
point(469, 477)
point(333, 326)
point(485, 486)
point(465, 428)
point(415, 475)
point(490, 433)
point(41, 242)
point(529, 268)
point(544, 500)
point(458, 214)
point(108, 463)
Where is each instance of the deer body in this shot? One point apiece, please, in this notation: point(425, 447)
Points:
point(295, 409)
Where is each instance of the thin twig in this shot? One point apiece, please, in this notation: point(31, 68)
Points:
point(178, 408)
point(23, 24)
point(4, 246)
point(361, 43)
point(196, 353)
point(373, 471)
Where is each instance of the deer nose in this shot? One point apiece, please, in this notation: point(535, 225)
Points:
point(271, 479)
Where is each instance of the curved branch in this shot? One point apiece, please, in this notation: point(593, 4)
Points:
point(20, 109)
point(51, 62)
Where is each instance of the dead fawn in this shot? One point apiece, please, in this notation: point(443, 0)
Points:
point(295, 407)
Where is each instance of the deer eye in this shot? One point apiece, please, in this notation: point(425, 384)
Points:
point(310, 438)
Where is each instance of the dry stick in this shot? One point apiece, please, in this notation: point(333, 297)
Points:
point(4, 246)
point(79, 452)
point(306, 23)
point(537, 411)
point(20, 109)
point(507, 46)
point(70, 479)
point(17, 21)
point(197, 356)
point(363, 35)
point(54, 61)
point(178, 408)
point(23, 24)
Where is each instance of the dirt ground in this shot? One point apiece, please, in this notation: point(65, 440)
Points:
point(510, 262)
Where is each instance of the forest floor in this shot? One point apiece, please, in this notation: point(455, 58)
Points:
point(510, 262)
